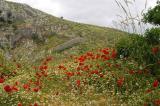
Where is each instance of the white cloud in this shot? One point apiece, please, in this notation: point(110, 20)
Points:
point(98, 12)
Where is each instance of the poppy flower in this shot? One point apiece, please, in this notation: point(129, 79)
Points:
point(148, 90)
point(8, 88)
point(18, 65)
point(19, 104)
point(35, 89)
point(114, 54)
point(157, 102)
point(69, 74)
point(17, 83)
point(14, 88)
point(94, 72)
point(78, 82)
point(155, 50)
point(120, 82)
point(101, 75)
point(35, 104)
point(2, 80)
point(26, 86)
point(131, 72)
point(49, 58)
point(155, 84)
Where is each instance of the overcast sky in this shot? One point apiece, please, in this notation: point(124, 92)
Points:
point(97, 12)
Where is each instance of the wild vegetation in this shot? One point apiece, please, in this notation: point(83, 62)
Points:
point(109, 68)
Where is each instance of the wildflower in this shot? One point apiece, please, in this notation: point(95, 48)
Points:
point(8, 88)
point(78, 73)
point(18, 65)
point(61, 67)
point(101, 75)
point(35, 104)
point(14, 88)
point(114, 54)
point(131, 72)
point(82, 58)
point(155, 84)
point(157, 102)
point(120, 82)
point(17, 83)
point(94, 72)
point(85, 68)
point(105, 51)
point(69, 74)
point(155, 50)
point(148, 90)
point(26, 86)
point(49, 58)
point(78, 82)
point(2, 80)
point(19, 104)
point(35, 89)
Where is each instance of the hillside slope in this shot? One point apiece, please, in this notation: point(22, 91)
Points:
point(25, 31)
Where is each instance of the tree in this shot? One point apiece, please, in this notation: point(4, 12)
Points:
point(153, 15)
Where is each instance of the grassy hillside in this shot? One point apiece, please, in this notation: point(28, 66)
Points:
point(89, 73)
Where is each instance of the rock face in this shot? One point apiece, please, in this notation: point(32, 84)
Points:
point(20, 21)
point(69, 44)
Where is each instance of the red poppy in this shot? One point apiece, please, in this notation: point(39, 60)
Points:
point(101, 75)
point(131, 72)
point(78, 82)
point(18, 65)
point(86, 68)
point(8, 88)
point(62, 67)
point(26, 86)
point(19, 104)
point(105, 51)
point(14, 88)
point(114, 54)
point(90, 54)
point(35, 89)
point(155, 84)
point(120, 82)
point(82, 58)
point(148, 90)
point(78, 73)
point(155, 50)
point(94, 72)
point(49, 58)
point(69, 74)
point(157, 102)
point(17, 83)
point(35, 104)
point(2, 80)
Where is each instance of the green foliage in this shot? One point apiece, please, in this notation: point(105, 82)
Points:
point(137, 47)
point(153, 15)
point(153, 36)
point(133, 46)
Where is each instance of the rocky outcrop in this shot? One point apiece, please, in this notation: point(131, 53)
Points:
point(69, 44)
point(20, 21)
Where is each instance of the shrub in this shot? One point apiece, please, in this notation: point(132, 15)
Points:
point(137, 48)
point(153, 36)
point(153, 15)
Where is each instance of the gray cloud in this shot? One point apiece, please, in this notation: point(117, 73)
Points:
point(97, 12)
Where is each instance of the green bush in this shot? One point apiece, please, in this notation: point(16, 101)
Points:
point(153, 15)
point(136, 47)
point(153, 36)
